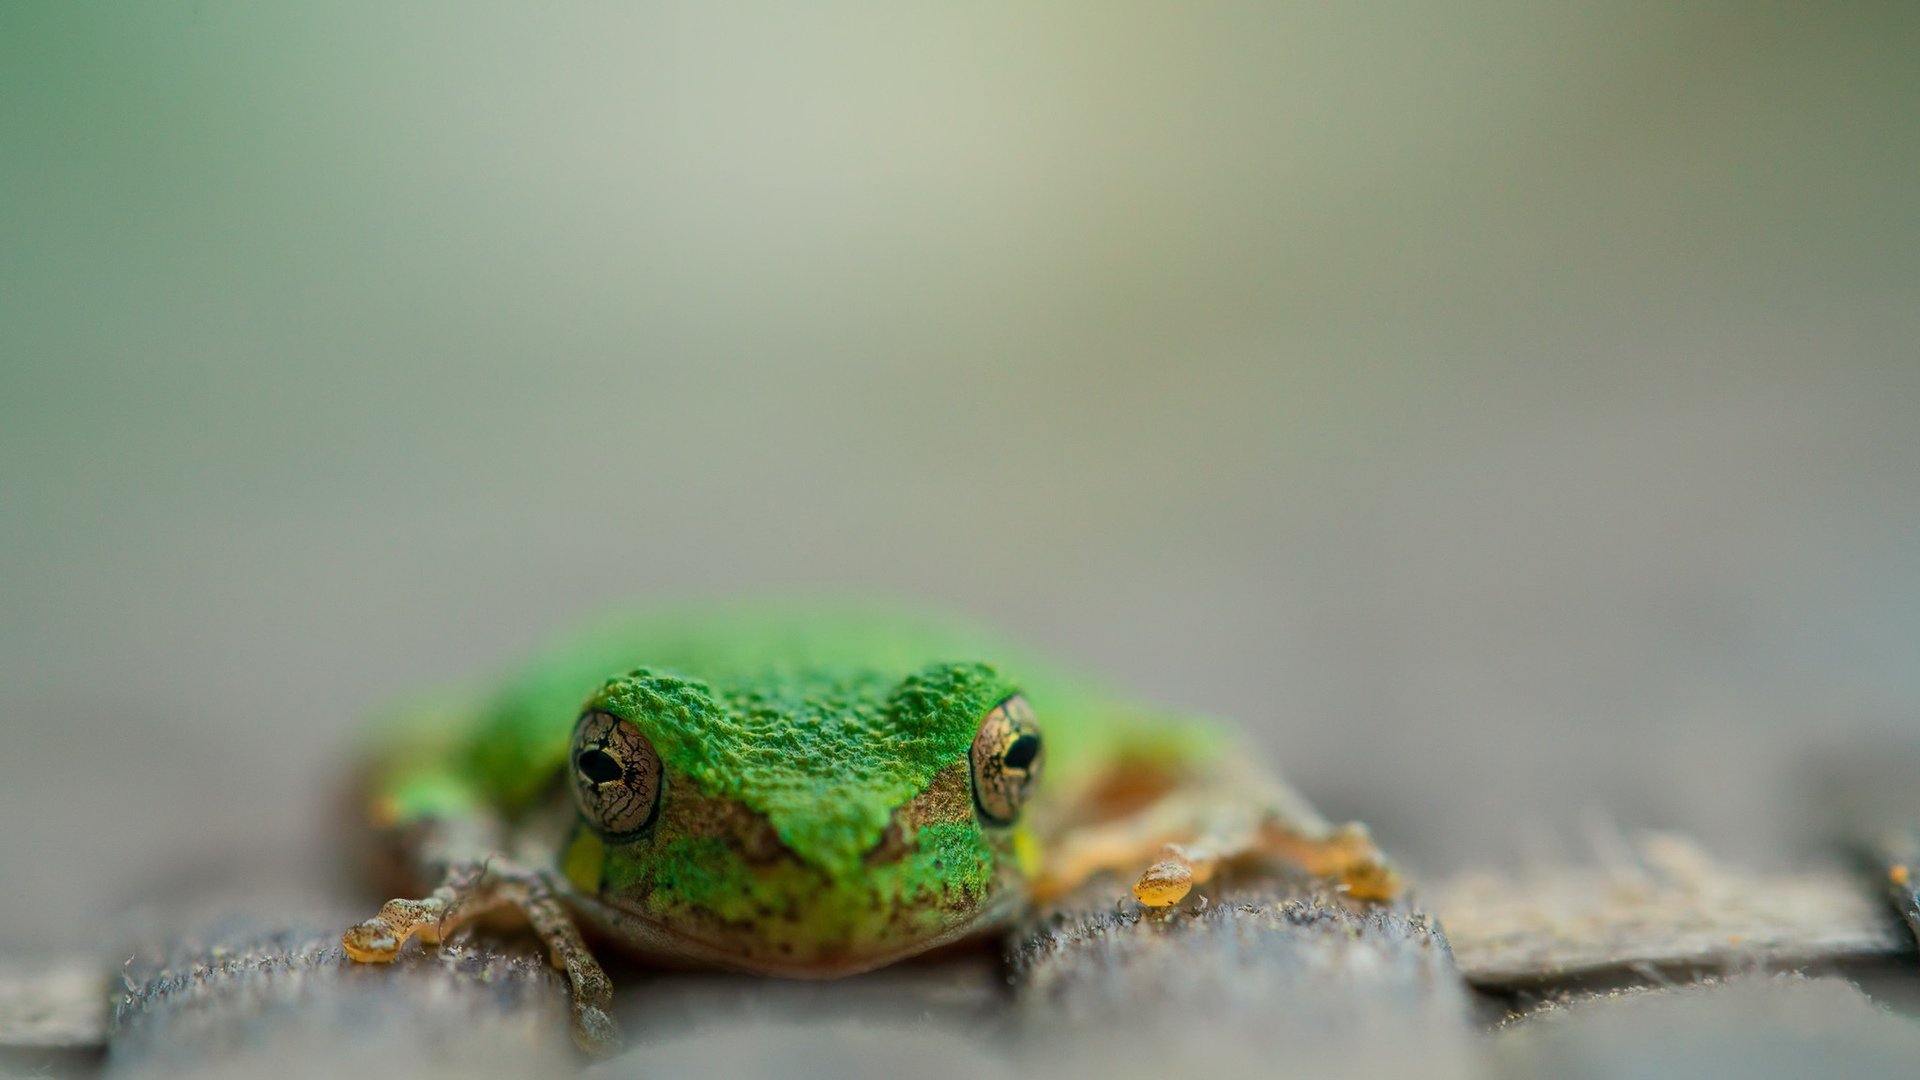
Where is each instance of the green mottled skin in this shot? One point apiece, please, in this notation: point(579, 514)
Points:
point(826, 726)
point(826, 754)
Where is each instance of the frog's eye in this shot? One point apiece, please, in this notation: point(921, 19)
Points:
point(616, 775)
point(1007, 758)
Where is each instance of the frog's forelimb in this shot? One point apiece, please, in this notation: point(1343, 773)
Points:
point(470, 888)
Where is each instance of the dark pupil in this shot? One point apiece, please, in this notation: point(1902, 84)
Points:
point(1022, 752)
point(598, 766)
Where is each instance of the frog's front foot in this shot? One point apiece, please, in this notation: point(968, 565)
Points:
point(471, 889)
point(378, 940)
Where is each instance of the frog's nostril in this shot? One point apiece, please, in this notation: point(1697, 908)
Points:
point(598, 766)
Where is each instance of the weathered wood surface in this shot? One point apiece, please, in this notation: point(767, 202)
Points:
point(1260, 975)
point(53, 1017)
point(57, 1005)
point(1755, 1027)
point(267, 991)
point(1263, 976)
point(1659, 907)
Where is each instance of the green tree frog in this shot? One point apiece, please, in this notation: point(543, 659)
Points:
point(804, 792)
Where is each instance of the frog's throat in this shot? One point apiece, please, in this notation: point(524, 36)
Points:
point(653, 940)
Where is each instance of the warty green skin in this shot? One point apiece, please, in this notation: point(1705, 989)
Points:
point(844, 733)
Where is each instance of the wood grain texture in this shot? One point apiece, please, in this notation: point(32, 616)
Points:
point(58, 1005)
point(1755, 1027)
point(1264, 975)
point(270, 992)
point(1260, 974)
point(1658, 907)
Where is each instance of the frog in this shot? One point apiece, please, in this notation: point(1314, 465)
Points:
point(808, 791)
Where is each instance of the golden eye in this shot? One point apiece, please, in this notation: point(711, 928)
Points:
point(616, 775)
point(1007, 758)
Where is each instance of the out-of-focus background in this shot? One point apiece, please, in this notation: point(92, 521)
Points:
point(1507, 411)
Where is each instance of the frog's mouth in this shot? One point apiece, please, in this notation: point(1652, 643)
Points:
point(655, 941)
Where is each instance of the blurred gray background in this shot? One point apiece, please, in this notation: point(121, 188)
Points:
point(1508, 411)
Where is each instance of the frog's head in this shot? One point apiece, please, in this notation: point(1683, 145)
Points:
point(801, 822)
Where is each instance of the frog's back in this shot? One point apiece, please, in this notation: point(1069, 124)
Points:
point(521, 737)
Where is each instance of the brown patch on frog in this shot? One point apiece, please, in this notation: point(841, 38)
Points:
point(730, 942)
point(951, 800)
point(947, 799)
point(746, 831)
point(690, 815)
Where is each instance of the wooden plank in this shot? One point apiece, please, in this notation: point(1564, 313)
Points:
point(53, 1017)
point(262, 986)
point(1754, 1027)
point(1658, 907)
point(1261, 974)
point(58, 1005)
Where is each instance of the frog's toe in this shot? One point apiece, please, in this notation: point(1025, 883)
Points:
point(378, 940)
point(595, 1031)
point(1165, 882)
point(1372, 879)
point(371, 942)
point(1362, 869)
